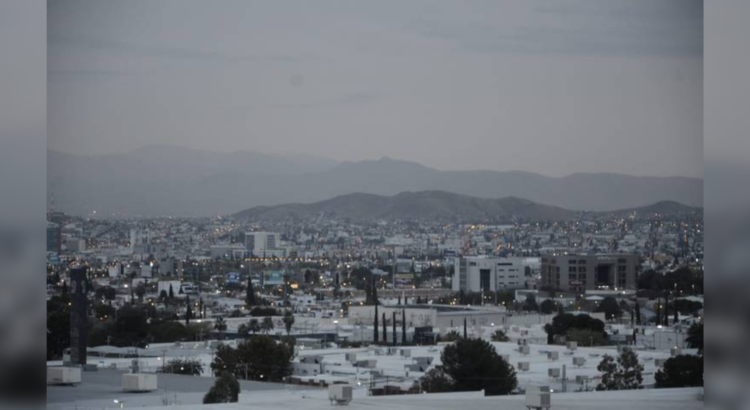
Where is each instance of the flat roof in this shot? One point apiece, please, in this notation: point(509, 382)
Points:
point(655, 399)
point(99, 389)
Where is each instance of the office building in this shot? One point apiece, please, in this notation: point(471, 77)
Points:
point(578, 273)
point(476, 274)
point(263, 243)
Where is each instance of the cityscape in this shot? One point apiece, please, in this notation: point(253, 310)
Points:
point(375, 204)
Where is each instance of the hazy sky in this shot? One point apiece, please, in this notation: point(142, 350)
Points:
point(554, 87)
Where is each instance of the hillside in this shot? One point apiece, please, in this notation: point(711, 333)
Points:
point(159, 181)
point(412, 206)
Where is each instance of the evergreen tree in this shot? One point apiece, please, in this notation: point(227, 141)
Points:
point(637, 313)
point(171, 292)
point(394, 328)
point(680, 371)
point(250, 296)
point(188, 311)
point(473, 364)
point(288, 320)
point(631, 372)
point(403, 326)
point(624, 373)
point(374, 293)
point(385, 331)
point(658, 312)
point(226, 389)
point(465, 333)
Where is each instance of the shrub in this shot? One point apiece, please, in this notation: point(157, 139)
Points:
point(226, 389)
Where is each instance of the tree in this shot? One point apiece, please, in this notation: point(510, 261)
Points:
point(220, 326)
point(171, 292)
point(547, 306)
point(608, 368)
point(624, 373)
point(561, 324)
point(637, 313)
point(267, 324)
point(253, 326)
point(651, 280)
point(58, 326)
point(288, 320)
point(403, 326)
point(473, 364)
point(394, 327)
point(695, 337)
point(250, 296)
point(436, 381)
point(500, 336)
point(140, 290)
point(610, 307)
point(687, 307)
point(188, 311)
point(385, 330)
point(631, 372)
point(585, 337)
point(190, 367)
point(680, 371)
point(259, 358)
point(226, 389)
point(530, 304)
point(451, 336)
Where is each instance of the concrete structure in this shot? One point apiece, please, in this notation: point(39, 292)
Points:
point(263, 243)
point(474, 274)
point(578, 273)
point(63, 376)
point(229, 251)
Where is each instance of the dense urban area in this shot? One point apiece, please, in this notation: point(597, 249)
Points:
point(280, 309)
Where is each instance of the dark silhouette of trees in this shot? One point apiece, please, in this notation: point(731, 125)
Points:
point(681, 371)
point(473, 364)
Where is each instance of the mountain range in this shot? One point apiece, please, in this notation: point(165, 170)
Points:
point(437, 206)
point(168, 180)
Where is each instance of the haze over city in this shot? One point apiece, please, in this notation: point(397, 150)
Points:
point(424, 204)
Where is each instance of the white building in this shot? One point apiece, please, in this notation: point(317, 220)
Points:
point(474, 274)
point(263, 243)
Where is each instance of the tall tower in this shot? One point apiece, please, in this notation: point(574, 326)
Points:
point(78, 316)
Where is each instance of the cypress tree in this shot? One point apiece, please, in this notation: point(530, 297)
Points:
point(465, 333)
point(658, 312)
point(385, 331)
point(394, 328)
point(188, 311)
point(403, 326)
point(171, 292)
point(250, 297)
point(665, 316)
point(375, 327)
point(637, 313)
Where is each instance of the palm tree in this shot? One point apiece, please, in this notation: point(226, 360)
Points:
point(220, 326)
